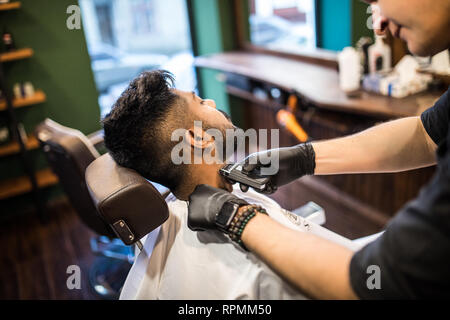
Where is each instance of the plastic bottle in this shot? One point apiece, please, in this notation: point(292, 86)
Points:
point(28, 89)
point(379, 56)
point(349, 69)
point(8, 41)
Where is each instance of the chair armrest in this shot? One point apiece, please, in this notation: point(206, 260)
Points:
point(96, 138)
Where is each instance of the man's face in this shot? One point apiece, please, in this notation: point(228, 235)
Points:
point(205, 110)
point(423, 24)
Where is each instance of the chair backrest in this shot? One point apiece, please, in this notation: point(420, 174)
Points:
point(69, 152)
point(129, 203)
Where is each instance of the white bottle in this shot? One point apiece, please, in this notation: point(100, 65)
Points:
point(441, 63)
point(349, 69)
point(28, 89)
point(17, 91)
point(379, 56)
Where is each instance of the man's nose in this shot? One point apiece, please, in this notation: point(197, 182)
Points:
point(210, 103)
point(379, 22)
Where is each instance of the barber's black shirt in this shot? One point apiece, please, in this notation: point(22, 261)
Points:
point(413, 254)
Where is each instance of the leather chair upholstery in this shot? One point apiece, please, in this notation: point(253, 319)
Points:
point(69, 152)
point(131, 205)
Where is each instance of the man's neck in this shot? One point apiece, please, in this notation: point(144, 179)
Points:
point(198, 174)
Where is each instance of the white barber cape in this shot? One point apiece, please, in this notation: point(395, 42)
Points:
point(177, 263)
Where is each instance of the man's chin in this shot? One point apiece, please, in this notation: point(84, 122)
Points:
point(422, 49)
point(226, 185)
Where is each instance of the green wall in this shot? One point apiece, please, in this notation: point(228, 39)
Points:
point(60, 67)
point(213, 26)
point(212, 30)
point(341, 23)
point(359, 21)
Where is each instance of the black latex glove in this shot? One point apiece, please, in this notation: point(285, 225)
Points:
point(294, 162)
point(204, 204)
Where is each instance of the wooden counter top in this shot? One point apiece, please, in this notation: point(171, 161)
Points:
point(315, 83)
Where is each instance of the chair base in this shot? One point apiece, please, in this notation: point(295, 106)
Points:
point(107, 276)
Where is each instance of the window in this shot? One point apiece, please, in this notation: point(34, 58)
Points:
point(127, 37)
point(143, 16)
point(283, 25)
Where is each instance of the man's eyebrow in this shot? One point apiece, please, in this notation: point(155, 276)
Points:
point(193, 94)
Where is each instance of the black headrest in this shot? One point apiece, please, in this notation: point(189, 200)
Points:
point(129, 203)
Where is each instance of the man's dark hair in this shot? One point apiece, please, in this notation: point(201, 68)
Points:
point(137, 130)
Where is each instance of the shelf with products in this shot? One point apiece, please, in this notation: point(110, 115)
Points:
point(21, 185)
point(13, 147)
point(31, 180)
point(17, 54)
point(10, 5)
point(38, 97)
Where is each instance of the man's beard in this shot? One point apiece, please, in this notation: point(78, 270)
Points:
point(224, 147)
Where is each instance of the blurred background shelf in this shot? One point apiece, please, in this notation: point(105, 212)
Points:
point(39, 97)
point(21, 185)
point(14, 147)
point(10, 6)
point(18, 54)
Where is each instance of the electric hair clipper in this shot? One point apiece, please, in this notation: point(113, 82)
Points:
point(234, 173)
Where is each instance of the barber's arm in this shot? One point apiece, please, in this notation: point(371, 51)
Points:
point(384, 148)
point(316, 266)
point(394, 146)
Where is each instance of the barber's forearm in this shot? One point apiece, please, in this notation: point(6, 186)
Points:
point(390, 147)
point(316, 266)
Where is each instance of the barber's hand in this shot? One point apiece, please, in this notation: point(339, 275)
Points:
point(294, 162)
point(204, 204)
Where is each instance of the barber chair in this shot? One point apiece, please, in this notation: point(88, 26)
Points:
point(69, 152)
point(131, 205)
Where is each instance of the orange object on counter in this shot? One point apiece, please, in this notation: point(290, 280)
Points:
point(292, 103)
point(288, 120)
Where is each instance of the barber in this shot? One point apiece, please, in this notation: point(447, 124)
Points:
point(413, 254)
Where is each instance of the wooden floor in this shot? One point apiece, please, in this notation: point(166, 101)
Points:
point(35, 256)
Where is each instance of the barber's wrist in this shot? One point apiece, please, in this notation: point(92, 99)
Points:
point(242, 218)
point(254, 227)
point(306, 159)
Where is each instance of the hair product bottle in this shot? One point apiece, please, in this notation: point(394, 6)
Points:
point(8, 41)
point(349, 70)
point(379, 56)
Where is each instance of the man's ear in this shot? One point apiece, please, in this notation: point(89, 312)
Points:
point(198, 138)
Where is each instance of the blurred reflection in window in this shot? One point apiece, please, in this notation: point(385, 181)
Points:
point(142, 16)
point(127, 37)
point(284, 25)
